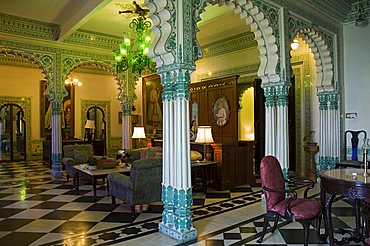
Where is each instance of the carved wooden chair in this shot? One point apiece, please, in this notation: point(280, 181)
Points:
point(302, 210)
point(354, 142)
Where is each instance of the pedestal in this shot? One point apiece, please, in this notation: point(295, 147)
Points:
point(311, 149)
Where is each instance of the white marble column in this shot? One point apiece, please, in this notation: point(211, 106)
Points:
point(270, 118)
point(282, 135)
point(323, 139)
point(56, 140)
point(126, 127)
point(176, 187)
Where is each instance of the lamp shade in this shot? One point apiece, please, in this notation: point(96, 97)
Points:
point(204, 135)
point(90, 124)
point(139, 132)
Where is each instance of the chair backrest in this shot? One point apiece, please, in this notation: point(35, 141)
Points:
point(81, 153)
point(272, 178)
point(354, 142)
point(146, 178)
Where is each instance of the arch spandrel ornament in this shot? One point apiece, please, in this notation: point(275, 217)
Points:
point(165, 33)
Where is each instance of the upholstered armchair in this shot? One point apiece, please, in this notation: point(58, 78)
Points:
point(75, 155)
point(143, 186)
point(302, 210)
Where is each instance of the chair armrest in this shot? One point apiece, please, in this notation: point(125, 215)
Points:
point(288, 211)
point(67, 161)
point(311, 184)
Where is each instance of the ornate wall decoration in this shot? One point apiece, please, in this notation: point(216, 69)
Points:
point(105, 105)
point(28, 28)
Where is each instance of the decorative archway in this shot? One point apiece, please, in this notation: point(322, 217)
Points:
point(329, 140)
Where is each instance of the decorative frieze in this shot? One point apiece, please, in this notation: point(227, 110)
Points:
point(231, 44)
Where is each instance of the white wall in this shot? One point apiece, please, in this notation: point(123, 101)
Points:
point(357, 77)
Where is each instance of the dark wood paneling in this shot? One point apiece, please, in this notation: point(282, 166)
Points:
point(259, 123)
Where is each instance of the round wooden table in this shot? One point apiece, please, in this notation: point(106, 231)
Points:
point(349, 182)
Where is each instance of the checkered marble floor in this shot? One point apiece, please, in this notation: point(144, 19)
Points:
point(37, 210)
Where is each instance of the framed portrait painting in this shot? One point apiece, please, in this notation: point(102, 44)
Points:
point(221, 110)
point(152, 104)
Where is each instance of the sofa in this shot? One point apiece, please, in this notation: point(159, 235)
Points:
point(144, 185)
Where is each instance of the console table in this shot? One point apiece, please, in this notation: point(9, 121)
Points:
point(348, 182)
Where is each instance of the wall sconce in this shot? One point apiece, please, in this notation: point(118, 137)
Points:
point(138, 133)
point(72, 81)
point(295, 44)
point(204, 136)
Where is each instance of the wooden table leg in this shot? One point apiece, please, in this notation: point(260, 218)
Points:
point(77, 181)
point(94, 186)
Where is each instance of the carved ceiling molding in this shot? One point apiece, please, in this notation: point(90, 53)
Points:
point(231, 44)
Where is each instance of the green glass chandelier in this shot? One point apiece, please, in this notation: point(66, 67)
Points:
point(126, 56)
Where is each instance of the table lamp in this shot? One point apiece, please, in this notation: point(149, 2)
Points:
point(204, 136)
point(138, 133)
point(89, 130)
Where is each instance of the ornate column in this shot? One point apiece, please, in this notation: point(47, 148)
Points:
point(127, 97)
point(282, 134)
point(176, 187)
point(175, 52)
point(270, 115)
point(324, 132)
point(56, 139)
point(126, 126)
point(334, 126)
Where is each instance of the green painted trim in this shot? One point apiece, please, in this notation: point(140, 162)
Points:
point(14, 25)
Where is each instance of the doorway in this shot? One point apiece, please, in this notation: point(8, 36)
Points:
point(12, 133)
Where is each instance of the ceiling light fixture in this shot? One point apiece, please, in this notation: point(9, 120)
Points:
point(360, 18)
point(295, 44)
point(126, 56)
point(72, 81)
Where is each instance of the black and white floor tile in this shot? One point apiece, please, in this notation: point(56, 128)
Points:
point(37, 210)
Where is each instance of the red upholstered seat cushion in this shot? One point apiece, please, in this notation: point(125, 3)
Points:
point(301, 208)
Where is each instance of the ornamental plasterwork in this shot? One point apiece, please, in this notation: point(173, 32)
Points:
point(353, 14)
point(231, 44)
point(339, 10)
point(93, 39)
point(28, 28)
point(313, 17)
point(25, 104)
point(105, 106)
point(250, 70)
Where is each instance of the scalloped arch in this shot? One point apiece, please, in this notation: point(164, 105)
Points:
point(70, 64)
point(253, 16)
point(322, 57)
point(38, 60)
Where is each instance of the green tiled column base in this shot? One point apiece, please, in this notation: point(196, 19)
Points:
point(179, 236)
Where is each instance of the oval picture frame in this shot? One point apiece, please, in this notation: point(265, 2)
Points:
point(221, 110)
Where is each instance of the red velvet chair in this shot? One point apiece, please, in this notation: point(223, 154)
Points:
point(302, 210)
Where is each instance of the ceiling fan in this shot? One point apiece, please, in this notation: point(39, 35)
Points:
point(138, 10)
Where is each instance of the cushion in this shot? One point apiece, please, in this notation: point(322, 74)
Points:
point(143, 153)
point(195, 155)
point(301, 208)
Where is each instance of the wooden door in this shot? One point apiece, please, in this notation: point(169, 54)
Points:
point(259, 123)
